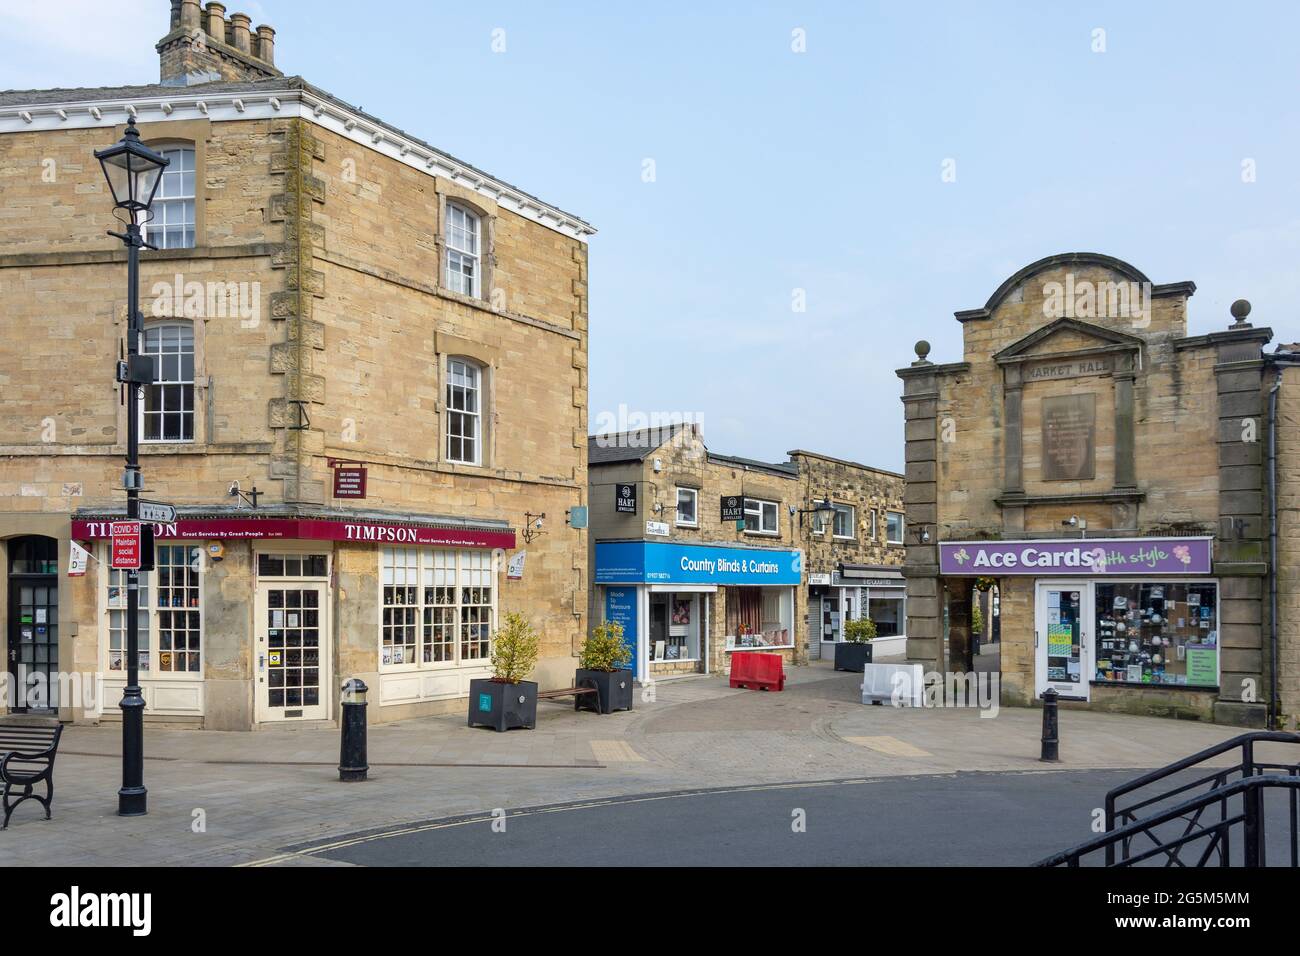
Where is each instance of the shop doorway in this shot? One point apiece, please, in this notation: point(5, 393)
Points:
point(292, 651)
point(33, 650)
point(1062, 610)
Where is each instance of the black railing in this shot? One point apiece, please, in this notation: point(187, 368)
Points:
point(1203, 844)
point(1142, 806)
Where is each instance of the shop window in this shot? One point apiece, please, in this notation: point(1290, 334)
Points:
point(887, 612)
point(463, 241)
point(759, 617)
point(688, 507)
point(843, 521)
point(170, 613)
point(272, 565)
point(894, 527)
point(438, 606)
point(761, 516)
point(1157, 633)
point(172, 225)
point(464, 412)
point(167, 414)
point(675, 626)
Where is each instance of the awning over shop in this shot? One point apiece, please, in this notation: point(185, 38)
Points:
point(866, 576)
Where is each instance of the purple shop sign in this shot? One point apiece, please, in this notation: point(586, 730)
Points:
point(1090, 556)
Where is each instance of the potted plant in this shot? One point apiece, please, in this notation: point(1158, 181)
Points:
point(854, 652)
point(505, 699)
point(603, 661)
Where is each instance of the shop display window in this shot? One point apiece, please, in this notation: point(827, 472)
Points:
point(759, 617)
point(1157, 633)
point(675, 621)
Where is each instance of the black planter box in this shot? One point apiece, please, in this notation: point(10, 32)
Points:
point(852, 657)
point(502, 706)
point(614, 688)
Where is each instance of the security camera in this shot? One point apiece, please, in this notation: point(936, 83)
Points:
point(1071, 522)
point(234, 489)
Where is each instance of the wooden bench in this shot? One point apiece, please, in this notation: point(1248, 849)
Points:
point(585, 696)
point(27, 752)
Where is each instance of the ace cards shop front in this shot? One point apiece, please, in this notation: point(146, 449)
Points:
point(685, 608)
point(249, 621)
point(1106, 613)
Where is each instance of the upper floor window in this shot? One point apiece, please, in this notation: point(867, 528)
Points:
point(875, 530)
point(464, 412)
point(843, 522)
point(761, 516)
point(172, 226)
point(462, 250)
point(168, 413)
point(894, 527)
point(688, 500)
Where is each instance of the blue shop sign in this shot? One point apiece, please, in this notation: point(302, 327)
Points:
point(652, 562)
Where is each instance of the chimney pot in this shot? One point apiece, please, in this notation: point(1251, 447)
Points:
point(266, 44)
point(190, 15)
point(239, 32)
point(176, 14)
point(216, 21)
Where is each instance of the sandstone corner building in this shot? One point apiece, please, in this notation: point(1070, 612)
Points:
point(1107, 473)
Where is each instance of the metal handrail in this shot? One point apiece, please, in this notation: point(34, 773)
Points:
point(1248, 766)
point(1251, 818)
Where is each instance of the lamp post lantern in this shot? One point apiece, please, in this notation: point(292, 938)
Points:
point(133, 172)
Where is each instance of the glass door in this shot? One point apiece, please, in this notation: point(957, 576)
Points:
point(1061, 631)
point(292, 653)
point(33, 652)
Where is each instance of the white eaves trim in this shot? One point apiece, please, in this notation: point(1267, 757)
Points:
point(191, 103)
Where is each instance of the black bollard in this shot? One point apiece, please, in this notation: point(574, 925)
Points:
point(352, 747)
point(1051, 733)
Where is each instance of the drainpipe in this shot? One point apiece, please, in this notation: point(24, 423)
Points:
point(1272, 547)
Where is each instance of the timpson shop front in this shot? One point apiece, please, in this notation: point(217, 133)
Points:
point(249, 622)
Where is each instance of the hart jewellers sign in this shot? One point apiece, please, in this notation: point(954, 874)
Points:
point(733, 508)
point(1091, 556)
point(308, 529)
point(625, 499)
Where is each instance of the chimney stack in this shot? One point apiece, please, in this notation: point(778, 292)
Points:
point(231, 52)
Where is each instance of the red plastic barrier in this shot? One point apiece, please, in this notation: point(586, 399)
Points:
point(757, 670)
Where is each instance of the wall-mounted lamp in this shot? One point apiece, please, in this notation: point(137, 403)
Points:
point(533, 525)
point(249, 497)
point(823, 508)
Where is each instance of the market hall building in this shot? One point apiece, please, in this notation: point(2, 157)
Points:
point(379, 348)
point(1105, 471)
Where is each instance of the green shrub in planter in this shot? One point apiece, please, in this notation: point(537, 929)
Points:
point(506, 700)
point(602, 663)
point(854, 652)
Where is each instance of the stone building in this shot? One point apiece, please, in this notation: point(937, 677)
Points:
point(1106, 471)
point(853, 554)
point(370, 367)
point(699, 554)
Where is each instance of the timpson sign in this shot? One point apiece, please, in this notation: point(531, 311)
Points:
point(307, 529)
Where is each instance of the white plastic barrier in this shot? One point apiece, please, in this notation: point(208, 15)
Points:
point(898, 684)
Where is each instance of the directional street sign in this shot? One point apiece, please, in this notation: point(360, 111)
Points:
point(156, 512)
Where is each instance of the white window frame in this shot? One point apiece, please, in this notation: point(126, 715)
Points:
point(475, 418)
point(875, 528)
point(853, 517)
point(169, 204)
point(471, 566)
point(463, 262)
point(760, 511)
point(902, 527)
point(694, 494)
point(179, 383)
point(152, 638)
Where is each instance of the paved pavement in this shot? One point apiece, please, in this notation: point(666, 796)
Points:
point(226, 798)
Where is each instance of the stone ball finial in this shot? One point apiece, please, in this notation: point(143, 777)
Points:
point(1240, 309)
point(922, 350)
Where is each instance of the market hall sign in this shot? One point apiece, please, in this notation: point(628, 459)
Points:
point(308, 529)
point(1090, 556)
point(625, 499)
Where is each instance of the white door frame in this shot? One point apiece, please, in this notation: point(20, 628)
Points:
point(1067, 689)
point(262, 711)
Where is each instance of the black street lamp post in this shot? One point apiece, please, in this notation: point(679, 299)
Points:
point(133, 172)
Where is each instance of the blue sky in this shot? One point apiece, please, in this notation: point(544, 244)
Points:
point(821, 170)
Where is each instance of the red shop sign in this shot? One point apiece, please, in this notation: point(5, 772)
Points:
point(307, 529)
point(350, 481)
